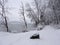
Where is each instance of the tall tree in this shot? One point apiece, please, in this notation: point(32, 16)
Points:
point(31, 14)
point(22, 12)
point(3, 13)
point(37, 15)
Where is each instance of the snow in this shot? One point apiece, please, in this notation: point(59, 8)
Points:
point(48, 36)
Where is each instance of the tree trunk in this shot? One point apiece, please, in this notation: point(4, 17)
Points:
point(6, 24)
point(25, 22)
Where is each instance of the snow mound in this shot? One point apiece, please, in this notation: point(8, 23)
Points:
point(48, 36)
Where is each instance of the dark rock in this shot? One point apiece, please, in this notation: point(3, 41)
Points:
point(25, 31)
point(41, 28)
point(35, 36)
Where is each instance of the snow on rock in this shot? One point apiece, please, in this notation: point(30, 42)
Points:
point(48, 36)
point(35, 36)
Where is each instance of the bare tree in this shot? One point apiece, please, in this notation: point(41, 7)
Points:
point(36, 15)
point(55, 6)
point(31, 13)
point(22, 12)
point(38, 7)
point(3, 13)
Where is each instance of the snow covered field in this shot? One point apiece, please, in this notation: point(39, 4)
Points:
point(48, 36)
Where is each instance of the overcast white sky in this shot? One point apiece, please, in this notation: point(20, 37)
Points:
point(15, 5)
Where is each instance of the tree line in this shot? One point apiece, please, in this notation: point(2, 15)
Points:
point(39, 14)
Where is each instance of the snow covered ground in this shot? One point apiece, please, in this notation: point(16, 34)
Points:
point(48, 36)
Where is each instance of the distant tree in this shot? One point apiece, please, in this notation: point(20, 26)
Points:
point(55, 6)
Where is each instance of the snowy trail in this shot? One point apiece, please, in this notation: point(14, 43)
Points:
point(49, 36)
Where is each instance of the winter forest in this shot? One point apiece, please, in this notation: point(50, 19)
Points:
point(29, 22)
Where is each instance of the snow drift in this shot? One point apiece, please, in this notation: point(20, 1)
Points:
point(48, 36)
